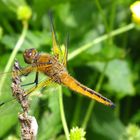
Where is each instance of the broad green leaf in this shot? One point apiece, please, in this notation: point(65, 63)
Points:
point(109, 53)
point(33, 40)
point(50, 124)
point(66, 16)
point(105, 125)
point(119, 77)
point(8, 117)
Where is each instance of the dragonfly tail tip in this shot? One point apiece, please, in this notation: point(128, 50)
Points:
point(112, 105)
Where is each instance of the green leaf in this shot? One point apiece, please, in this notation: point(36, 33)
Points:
point(109, 53)
point(119, 77)
point(136, 117)
point(65, 15)
point(50, 124)
point(8, 111)
point(8, 117)
point(105, 125)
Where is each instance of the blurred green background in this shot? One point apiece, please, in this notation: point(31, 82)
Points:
point(109, 64)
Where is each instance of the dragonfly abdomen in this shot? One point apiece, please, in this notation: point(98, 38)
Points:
point(73, 84)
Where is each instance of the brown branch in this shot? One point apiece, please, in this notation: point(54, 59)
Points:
point(28, 123)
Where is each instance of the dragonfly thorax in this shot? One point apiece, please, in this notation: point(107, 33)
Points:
point(30, 55)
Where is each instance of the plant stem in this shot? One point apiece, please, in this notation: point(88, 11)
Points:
point(97, 2)
point(13, 54)
point(92, 103)
point(63, 114)
point(100, 39)
point(89, 45)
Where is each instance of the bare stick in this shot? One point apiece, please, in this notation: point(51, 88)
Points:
point(28, 123)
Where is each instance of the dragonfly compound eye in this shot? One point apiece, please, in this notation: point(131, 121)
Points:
point(30, 55)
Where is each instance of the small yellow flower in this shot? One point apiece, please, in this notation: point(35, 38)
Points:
point(135, 9)
point(77, 134)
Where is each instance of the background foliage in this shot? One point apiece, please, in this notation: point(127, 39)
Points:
point(111, 66)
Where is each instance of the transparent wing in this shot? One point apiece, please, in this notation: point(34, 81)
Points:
point(10, 109)
point(65, 52)
point(6, 97)
point(55, 47)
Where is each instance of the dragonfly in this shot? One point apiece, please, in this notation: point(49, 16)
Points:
point(54, 66)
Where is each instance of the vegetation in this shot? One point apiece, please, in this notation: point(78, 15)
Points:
point(103, 55)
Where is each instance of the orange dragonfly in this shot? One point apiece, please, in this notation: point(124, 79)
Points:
point(54, 66)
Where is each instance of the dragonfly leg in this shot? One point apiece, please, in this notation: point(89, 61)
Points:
point(36, 78)
point(35, 81)
point(40, 85)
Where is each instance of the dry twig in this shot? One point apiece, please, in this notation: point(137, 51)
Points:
point(28, 123)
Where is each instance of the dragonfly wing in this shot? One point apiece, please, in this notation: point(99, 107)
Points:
point(56, 48)
point(8, 109)
point(6, 93)
point(65, 53)
point(42, 84)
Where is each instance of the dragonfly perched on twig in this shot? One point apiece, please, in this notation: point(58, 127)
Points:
point(54, 66)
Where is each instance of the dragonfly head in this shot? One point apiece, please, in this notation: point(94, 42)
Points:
point(30, 56)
